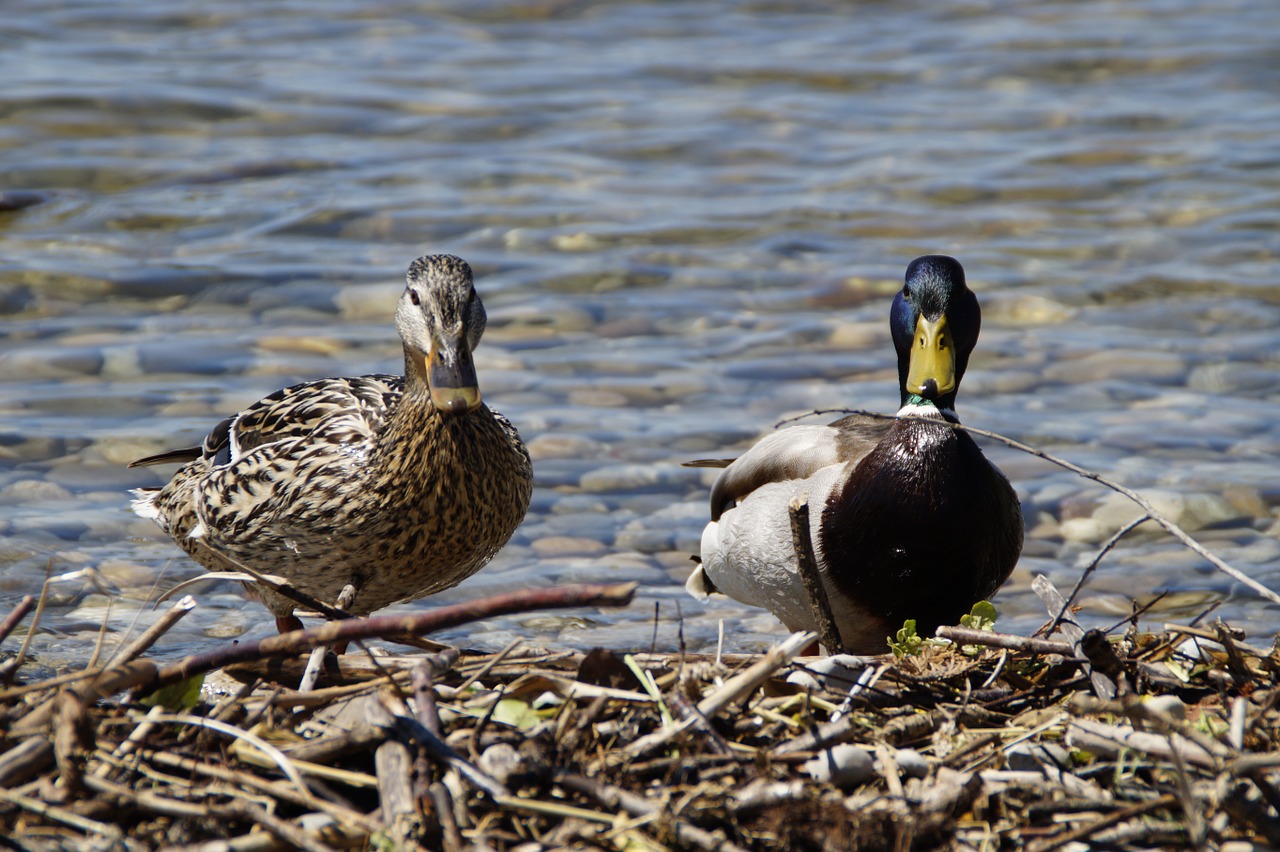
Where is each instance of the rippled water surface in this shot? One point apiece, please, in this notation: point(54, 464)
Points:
point(687, 220)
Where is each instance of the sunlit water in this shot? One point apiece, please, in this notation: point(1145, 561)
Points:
point(687, 221)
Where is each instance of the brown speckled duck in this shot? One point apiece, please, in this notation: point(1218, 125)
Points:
point(401, 486)
point(908, 518)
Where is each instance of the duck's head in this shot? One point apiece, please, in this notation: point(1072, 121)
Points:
point(935, 321)
point(440, 319)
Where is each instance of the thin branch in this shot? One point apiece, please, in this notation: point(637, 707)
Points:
point(828, 632)
point(1093, 565)
point(16, 615)
point(349, 630)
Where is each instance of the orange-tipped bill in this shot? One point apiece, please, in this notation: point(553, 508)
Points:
point(452, 376)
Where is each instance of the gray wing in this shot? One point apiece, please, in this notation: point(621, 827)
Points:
point(795, 453)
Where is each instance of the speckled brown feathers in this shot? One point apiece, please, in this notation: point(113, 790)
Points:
point(362, 480)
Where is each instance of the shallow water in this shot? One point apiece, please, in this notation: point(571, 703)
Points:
point(686, 221)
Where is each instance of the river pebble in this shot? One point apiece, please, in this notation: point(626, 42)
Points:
point(1191, 512)
point(559, 546)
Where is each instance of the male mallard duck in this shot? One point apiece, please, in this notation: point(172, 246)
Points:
point(909, 519)
point(401, 486)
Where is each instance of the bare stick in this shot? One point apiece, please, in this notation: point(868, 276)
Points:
point(349, 630)
point(414, 731)
point(149, 636)
point(637, 806)
point(61, 815)
point(314, 663)
point(1113, 818)
point(424, 698)
point(442, 802)
point(146, 676)
point(11, 666)
point(1009, 641)
point(1093, 565)
point(734, 688)
point(1053, 602)
point(828, 632)
point(16, 615)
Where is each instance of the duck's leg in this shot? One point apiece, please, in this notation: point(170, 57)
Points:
point(288, 623)
point(346, 598)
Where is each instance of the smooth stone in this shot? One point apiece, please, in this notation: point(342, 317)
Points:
point(1166, 705)
point(231, 627)
point(912, 763)
point(26, 365)
point(369, 301)
point(92, 608)
point(1034, 757)
point(33, 491)
point(597, 398)
point(121, 362)
point(1247, 500)
point(1232, 377)
point(1191, 512)
point(614, 568)
point(1121, 605)
point(558, 546)
point(1014, 382)
point(645, 539)
point(1042, 525)
point(601, 527)
point(122, 451)
point(62, 527)
point(842, 765)
point(127, 574)
point(859, 335)
point(1024, 309)
point(621, 477)
point(564, 446)
point(537, 318)
point(29, 448)
point(309, 345)
point(1263, 550)
point(80, 474)
point(501, 761)
point(1144, 367)
point(578, 504)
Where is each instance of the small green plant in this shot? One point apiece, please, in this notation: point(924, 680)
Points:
point(981, 617)
point(179, 697)
point(907, 642)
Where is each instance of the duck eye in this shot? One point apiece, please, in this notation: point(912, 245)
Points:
point(414, 297)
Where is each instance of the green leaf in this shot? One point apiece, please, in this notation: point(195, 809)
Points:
point(516, 713)
point(650, 686)
point(981, 617)
point(178, 698)
point(907, 642)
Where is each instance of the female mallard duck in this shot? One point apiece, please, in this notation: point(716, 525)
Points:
point(909, 518)
point(401, 487)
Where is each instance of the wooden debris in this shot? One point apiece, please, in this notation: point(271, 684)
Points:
point(996, 741)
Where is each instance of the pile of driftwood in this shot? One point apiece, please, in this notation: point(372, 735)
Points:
point(1075, 740)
